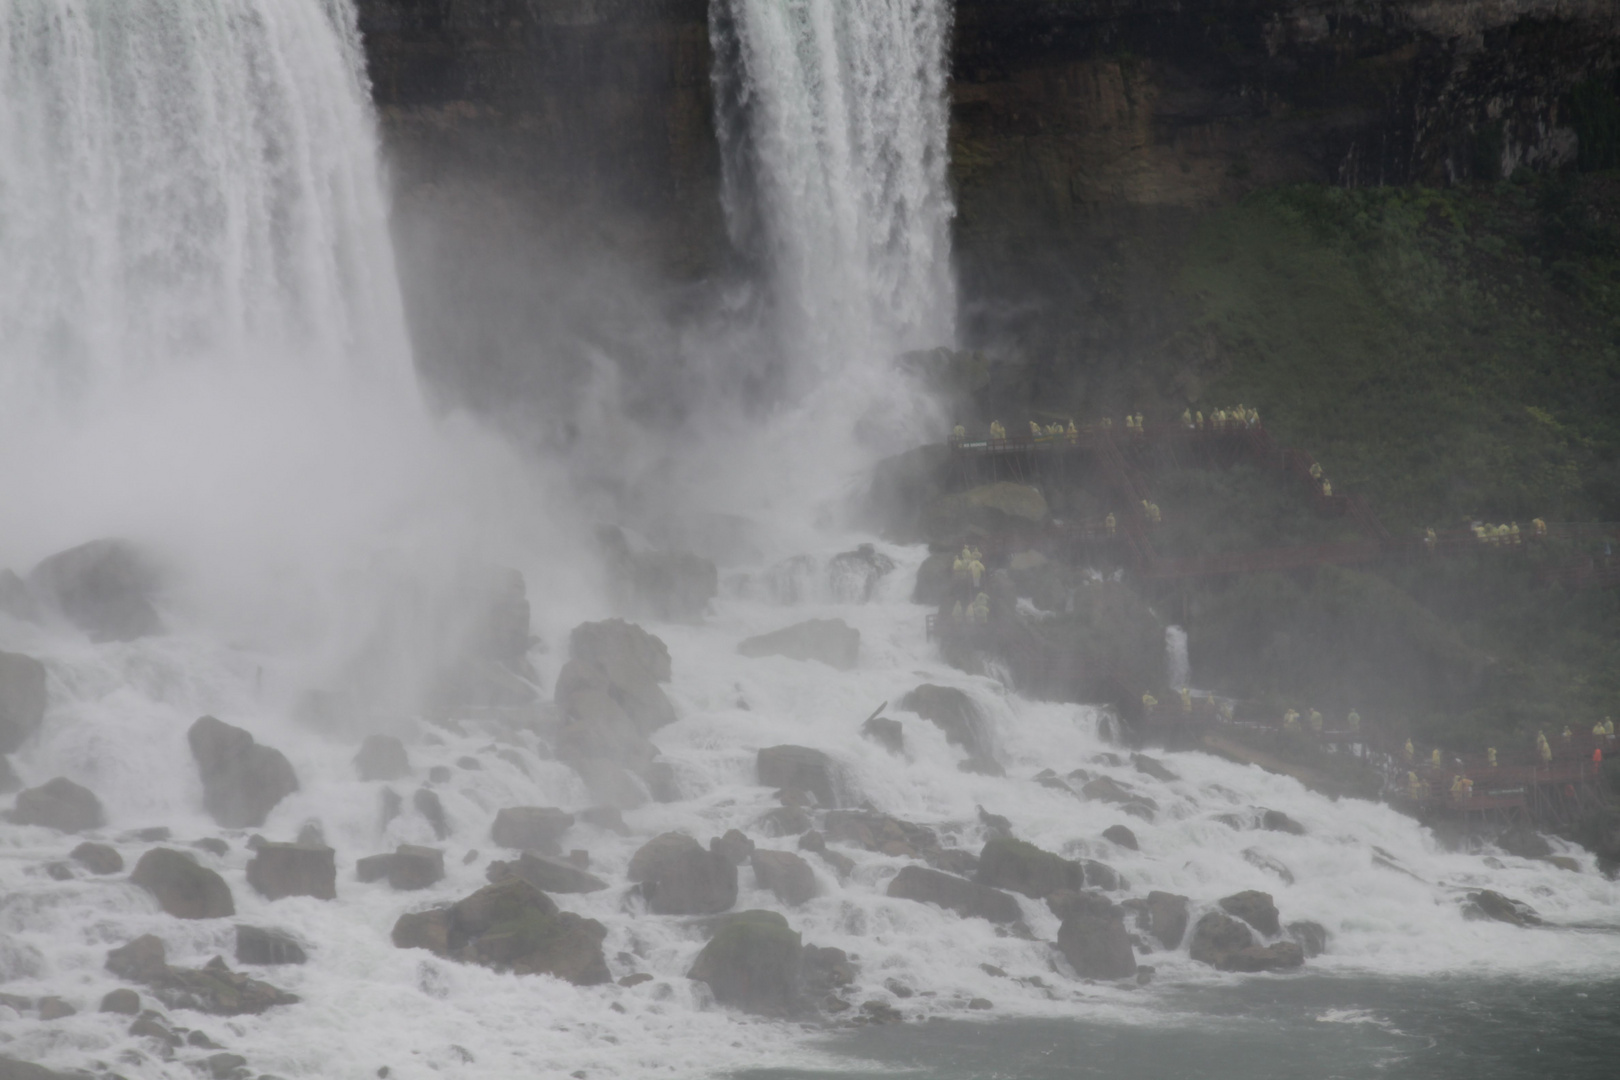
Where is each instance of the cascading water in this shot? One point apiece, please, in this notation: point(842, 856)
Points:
point(834, 125)
point(188, 182)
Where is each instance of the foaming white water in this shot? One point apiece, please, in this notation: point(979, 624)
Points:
point(1388, 894)
point(188, 182)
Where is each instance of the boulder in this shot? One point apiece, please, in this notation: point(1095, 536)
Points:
point(242, 780)
point(824, 970)
point(982, 511)
point(623, 661)
point(1152, 767)
point(281, 870)
point(407, 868)
point(1277, 821)
point(1489, 904)
point(1165, 917)
point(1255, 908)
point(736, 847)
point(1067, 902)
point(679, 877)
point(54, 1008)
point(966, 898)
point(428, 805)
point(213, 988)
point(608, 781)
point(669, 585)
point(753, 963)
point(953, 861)
point(1256, 857)
point(1524, 842)
point(532, 828)
point(98, 858)
point(1006, 863)
point(546, 874)
point(854, 575)
point(59, 804)
point(886, 733)
point(1311, 936)
point(1102, 876)
point(1096, 946)
point(123, 1002)
point(382, 757)
point(874, 831)
point(511, 926)
point(1108, 789)
point(1226, 944)
point(800, 768)
point(786, 875)
point(12, 1069)
point(785, 821)
point(256, 945)
point(954, 713)
point(832, 641)
point(933, 586)
point(105, 588)
point(22, 700)
point(1122, 836)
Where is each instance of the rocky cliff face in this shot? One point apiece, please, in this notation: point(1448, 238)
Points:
point(1087, 134)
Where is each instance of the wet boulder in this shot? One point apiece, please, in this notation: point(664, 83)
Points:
point(831, 641)
point(800, 768)
point(854, 575)
point(1277, 821)
point(953, 712)
point(1311, 936)
point(106, 588)
point(1489, 904)
point(1255, 908)
point(1100, 875)
point(546, 874)
point(753, 963)
point(242, 779)
point(785, 874)
point(428, 805)
point(382, 757)
point(98, 858)
point(871, 830)
point(256, 945)
point(121, 1002)
point(22, 700)
point(1524, 842)
point(1165, 917)
point(282, 870)
point(407, 868)
point(532, 828)
point(1022, 867)
point(1227, 944)
point(679, 877)
point(59, 804)
point(734, 845)
point(1107, 789)
point(511, 926)
point(966, 898)
point(624, 662)
point(1152, 767)
point(1121, 836)
point(213, 988)
point(886, 733)
point(1067, 902)
point(1097, 946)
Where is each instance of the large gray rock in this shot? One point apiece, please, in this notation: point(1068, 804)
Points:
point(1255, 908)
point(22, 700)
point(1165, 917)
point(1311, 936)
point(105, 588)
point(753, 963)
point(511, 926)
point(1097, 946)
point(97, 858)
point(670, 585)
point(382, 757)
point(800, 768)
point(1006, 863)
point(832, 641)
point(966, 898)
point(874, 831)
point(1488, 903)
point(786, 875)
point(679, 876)
point(183, 889)
point(257, 945)
point(59, 804)
point(1227, 944)
point(532, 828)
point(546, 874)
point(281, 870)
point(407, 868)
point(610, 701)
point(242, 780)
point(213, 988)
point(954, 713)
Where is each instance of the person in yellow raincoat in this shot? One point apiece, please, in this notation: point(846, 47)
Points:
point(996, 430)
point(1316, 470)
point(1411, 751)
point(958, 432)
point(975, 569)
point(1434, 757)
point(1353, 722)
point(1315, 720)
point(1545, 749)
point(1490, 756)
point(1539, 526)
point(1198, 418)
point(980, 609)
point(1148, 700)
point(1186, 418)
point(1034, 430)
point(1109, 523)
point(1291, 720)
point(1074, 433)
point(1327, 488)
point(1414, 786)
point(1186, 700)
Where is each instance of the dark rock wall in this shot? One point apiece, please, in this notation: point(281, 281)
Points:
point(1087, 135)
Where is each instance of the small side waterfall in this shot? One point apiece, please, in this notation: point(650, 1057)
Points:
point(834, 124)
point(188, 182)
point(1176, 668)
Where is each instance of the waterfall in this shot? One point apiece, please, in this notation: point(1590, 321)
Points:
point(1177, 669)
point(834, 124)
point(188, 183)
